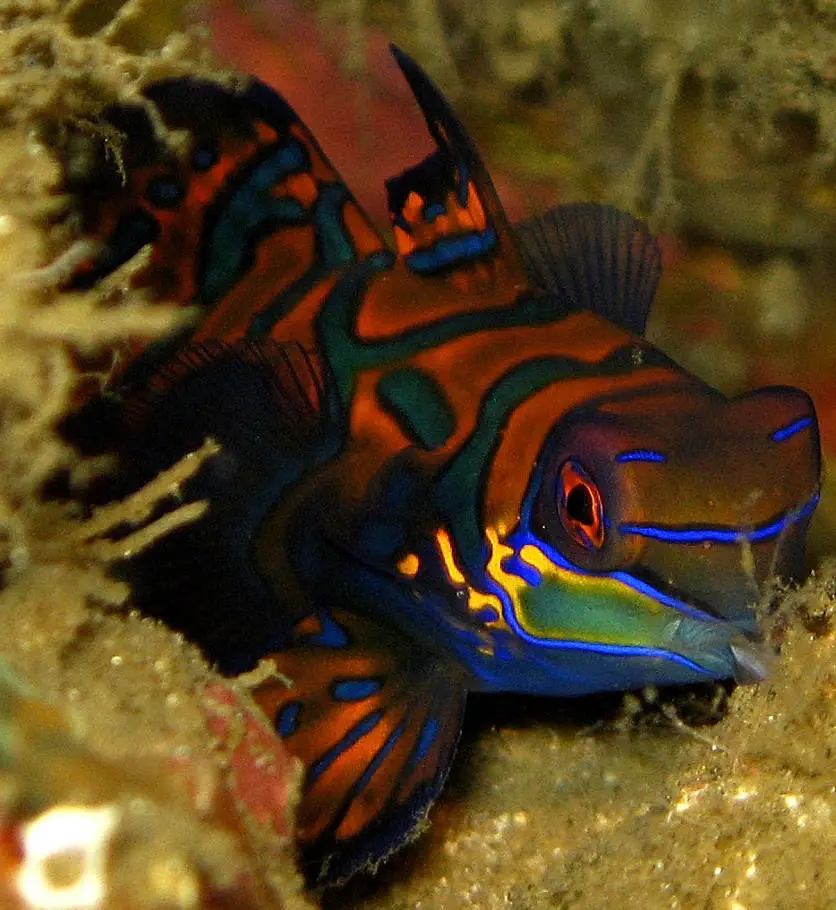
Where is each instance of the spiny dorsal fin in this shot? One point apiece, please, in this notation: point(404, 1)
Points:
point(445, 210)
point(244, 214)
point(594, 257)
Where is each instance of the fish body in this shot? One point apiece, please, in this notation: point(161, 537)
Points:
point(446, 466)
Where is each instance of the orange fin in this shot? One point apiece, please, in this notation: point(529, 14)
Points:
point(445, 211)
point(375, 720)
point(244, 215)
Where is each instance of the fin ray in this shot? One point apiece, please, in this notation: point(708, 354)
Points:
point(372, 769)
point(594, 257)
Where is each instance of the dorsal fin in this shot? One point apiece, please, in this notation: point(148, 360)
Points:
point(245, 216)
point(594, 257)
point(445, 210)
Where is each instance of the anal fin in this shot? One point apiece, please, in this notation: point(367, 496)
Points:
point(375, 721)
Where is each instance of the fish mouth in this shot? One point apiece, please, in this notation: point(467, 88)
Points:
point(720, 648)
point(742, 619)
point(752, 660)
point(745, 654)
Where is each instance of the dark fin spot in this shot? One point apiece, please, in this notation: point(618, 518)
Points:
point(165, 192)
point(204, 157)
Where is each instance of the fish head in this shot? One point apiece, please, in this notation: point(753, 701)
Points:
point(650, 528)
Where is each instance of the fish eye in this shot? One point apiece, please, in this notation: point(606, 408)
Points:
point(579, 505)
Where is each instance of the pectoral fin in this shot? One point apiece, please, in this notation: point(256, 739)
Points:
point(375, 720)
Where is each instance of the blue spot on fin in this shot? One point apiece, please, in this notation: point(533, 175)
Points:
point(287, 719)
point(355, 689)
point(331, 634)
point(594, 257)
point(375, 721)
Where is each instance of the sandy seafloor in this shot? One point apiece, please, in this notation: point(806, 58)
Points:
point(540, 812)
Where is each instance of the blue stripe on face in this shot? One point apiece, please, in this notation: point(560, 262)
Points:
point(641, 455)
point(355, 689)
point(720, 535)
point(792, 428)
point(521, 536)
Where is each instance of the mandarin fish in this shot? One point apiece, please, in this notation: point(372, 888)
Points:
point(450, 464)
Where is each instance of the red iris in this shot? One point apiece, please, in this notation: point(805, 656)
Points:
point(579, 506)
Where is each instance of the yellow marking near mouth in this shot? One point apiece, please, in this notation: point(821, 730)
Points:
point(477, 601)
point(409, 565)
point(445, 548)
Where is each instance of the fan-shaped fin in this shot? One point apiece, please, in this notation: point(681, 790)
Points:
point(375, 720)
point(264, 404)
point(594, 257)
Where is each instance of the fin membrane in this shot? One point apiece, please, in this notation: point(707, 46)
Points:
point(263, 403)
point(445, 211)
point(244, 216)
point(288, 400)
point(594, 257)
point(375, 720)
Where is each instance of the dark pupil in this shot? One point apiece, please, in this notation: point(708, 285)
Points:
point(579, 505)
